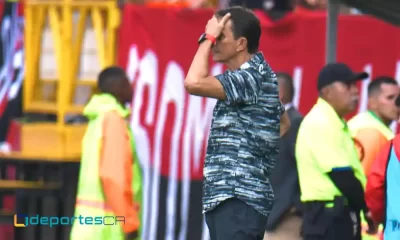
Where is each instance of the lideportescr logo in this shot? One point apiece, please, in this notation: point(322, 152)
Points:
point(19, 220)
point(23, 220)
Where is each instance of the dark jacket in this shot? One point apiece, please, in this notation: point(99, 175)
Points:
point(284, 177)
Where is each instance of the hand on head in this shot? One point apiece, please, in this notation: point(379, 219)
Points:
point(215, 26)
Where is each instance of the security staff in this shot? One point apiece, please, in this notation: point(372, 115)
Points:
point(331, 177)
point(110, 182)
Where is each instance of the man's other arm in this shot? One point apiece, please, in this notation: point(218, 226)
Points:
point(115, 172)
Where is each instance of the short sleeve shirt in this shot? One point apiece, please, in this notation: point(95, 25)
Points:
point(244, 138)
point(324, 143)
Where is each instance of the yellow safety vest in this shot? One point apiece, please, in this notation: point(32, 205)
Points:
point(90, 201)
point(369, 120)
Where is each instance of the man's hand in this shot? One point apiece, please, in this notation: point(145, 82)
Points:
point(131, 235)
point(215, 27)
point(372, 226)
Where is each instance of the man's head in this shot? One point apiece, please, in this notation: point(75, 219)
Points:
point(241, 34)
point(286, 88)
point(114, 81)
point(382, 94)
point(337, 85)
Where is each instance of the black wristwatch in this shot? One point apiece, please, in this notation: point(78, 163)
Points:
point(206, 36)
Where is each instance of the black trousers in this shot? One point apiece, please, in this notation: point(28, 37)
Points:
point(233, 219)
point(321, 223)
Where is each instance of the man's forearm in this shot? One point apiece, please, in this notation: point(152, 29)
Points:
point(350, 187)
point(199, 67)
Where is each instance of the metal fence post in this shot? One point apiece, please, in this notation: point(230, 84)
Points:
point(331, 30)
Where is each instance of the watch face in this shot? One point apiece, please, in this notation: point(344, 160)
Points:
point(202, 38)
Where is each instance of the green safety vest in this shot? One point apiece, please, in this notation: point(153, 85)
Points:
point(89, 187)
point(369, 120)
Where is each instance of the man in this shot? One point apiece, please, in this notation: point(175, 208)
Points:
point(109, 180)
point(382, 193)
point(284, 221)
point(330, 174)
point(371, 129)
point(244, 136)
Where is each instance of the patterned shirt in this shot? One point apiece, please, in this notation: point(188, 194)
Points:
point(244, 138)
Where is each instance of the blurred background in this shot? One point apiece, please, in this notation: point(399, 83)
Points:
point(52, 50)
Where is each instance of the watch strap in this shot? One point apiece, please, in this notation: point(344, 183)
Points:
point(211, 38)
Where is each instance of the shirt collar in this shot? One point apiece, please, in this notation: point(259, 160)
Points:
point(376, 117)
point(328, 110)
point(257, 59)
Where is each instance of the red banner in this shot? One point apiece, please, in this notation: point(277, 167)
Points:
point(156, 47)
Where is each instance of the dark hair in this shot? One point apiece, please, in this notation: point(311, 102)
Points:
point(244, 24)
point(109, 77)
point(375, 85)
point(288, 81)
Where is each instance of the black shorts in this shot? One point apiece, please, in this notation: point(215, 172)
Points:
point(233, 219)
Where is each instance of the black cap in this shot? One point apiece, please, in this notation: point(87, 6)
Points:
point(338, 72)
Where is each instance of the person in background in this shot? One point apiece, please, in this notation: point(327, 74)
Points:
point(248, 121)
point(110, 176)
point(331, 177)
point(383, 189)
point(371, 129)
point(284, 221)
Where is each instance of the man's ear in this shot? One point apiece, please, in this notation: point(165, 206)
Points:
point(241, 44)
point(325, 92)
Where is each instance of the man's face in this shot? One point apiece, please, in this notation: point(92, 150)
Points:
point(384, 102)
point(345, 96)
point(226, 46)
